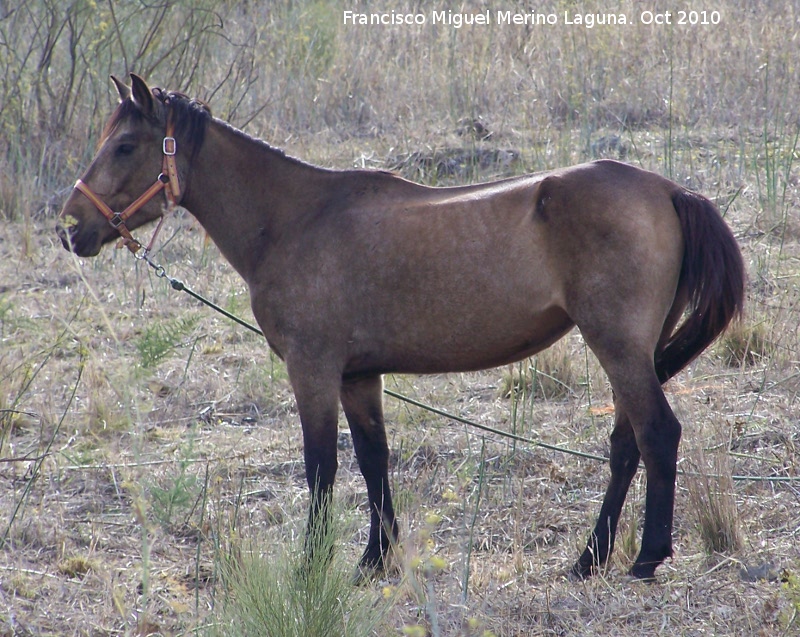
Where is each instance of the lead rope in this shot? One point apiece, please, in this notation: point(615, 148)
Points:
point(180, 286)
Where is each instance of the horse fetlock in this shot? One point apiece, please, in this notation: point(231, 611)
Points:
point(650, 559)
point(581, 570)
point(591, 560)
point(376, 560)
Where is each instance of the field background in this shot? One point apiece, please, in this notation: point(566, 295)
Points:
point(145, 442)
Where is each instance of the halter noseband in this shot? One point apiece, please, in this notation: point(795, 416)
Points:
point(167, 180)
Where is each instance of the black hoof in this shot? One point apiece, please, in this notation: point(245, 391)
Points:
point(364, 575)
point(645, 572)
point(586, 566)
point(372, 565)
point(580, 572)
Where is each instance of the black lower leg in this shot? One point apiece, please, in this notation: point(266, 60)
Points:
point(321, 466)
point(318, 542)
point(373, 460)
point(659, 511)
point(624, 463)
point(362, 401)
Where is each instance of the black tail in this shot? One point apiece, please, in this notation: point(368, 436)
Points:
point(713, 277)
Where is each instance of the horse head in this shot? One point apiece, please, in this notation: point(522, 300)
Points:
point(136, 158)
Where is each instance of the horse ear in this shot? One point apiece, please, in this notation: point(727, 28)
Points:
point(124, 91)
point(142, 96)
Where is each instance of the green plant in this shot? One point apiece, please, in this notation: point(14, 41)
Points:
point(76, 566)
point(776, 159)
point(176, 498)
point(159, 339)
point(421, 570)
point(292, 595)
point(791, 586)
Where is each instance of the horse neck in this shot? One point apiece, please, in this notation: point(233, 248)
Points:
point(245, 194)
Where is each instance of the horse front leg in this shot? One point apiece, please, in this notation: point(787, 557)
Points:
point(362, 401)
point(318, 411)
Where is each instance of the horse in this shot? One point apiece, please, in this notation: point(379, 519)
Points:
point(354, 274)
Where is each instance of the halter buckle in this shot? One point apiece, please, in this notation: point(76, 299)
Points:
point(169, 146)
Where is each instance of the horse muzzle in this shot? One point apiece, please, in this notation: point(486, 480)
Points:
point(83, 244)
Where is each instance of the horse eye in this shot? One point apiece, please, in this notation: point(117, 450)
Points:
point(125, 149)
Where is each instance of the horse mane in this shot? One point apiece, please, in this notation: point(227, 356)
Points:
point(190, 116)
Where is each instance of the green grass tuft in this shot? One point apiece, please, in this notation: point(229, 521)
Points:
point(160, 339)
point(290, 595)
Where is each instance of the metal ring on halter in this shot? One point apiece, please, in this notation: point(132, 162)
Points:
point(116, 221)
point(160, 271)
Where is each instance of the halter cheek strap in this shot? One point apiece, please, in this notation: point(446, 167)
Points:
point(167, 180)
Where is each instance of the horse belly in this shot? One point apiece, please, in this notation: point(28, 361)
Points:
point(464, 341)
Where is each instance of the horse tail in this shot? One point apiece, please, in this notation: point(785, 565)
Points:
point(712, 279)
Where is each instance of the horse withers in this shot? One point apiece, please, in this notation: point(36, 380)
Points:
point(354, 273)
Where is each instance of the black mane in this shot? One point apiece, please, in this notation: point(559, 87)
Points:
point(190, 116)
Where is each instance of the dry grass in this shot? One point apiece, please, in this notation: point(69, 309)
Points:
point(182, 441)
point(551, 374)
point(710, 488)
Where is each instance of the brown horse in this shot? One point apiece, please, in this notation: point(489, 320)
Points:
point(353, 274)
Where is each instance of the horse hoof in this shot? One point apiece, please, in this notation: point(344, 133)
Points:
point(580, 572)
point(364, 574)
point(643, 573)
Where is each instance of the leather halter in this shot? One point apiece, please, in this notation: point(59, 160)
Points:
point(167, 180)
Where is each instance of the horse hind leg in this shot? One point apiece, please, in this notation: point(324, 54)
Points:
point(645, 413)
point(658, 438)
point(624, 462)
point(362, 401)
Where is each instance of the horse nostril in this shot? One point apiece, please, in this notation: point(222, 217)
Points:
point(66, 235)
